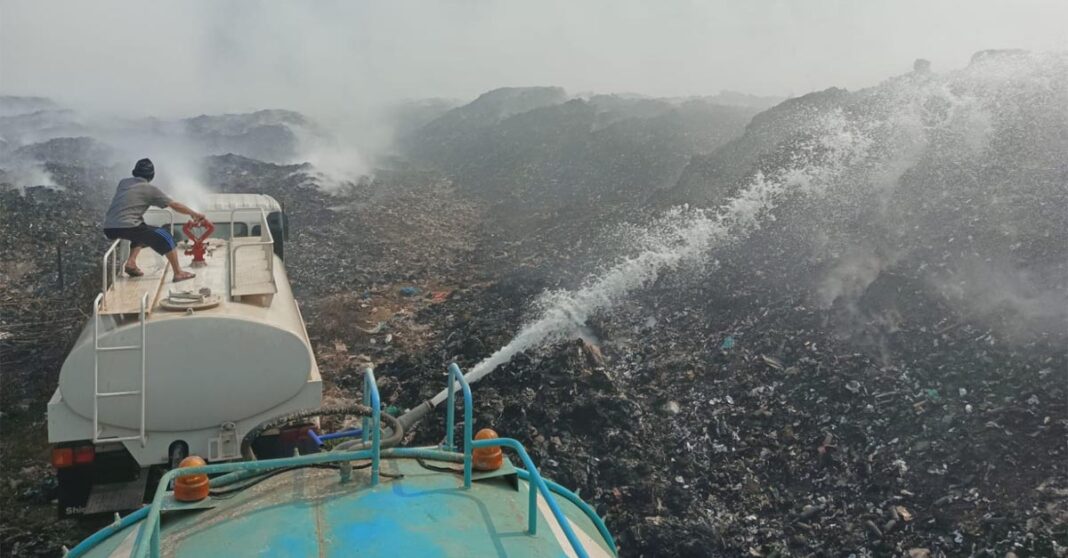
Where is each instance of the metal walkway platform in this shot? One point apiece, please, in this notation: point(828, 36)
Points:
point(124, 294)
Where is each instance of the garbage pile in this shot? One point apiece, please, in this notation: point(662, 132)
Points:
point(714, 416)
point(49, 252)
point(761, 432)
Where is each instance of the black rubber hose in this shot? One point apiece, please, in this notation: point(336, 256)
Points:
point(396, 434)
point(230, 491)
point(415, 414)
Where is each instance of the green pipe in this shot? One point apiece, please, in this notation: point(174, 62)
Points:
point(455, 374)
point(149, 532)
point(579, 503)
point(147, 543)
point(99, 536)
point(230, 478)
point(536, 481)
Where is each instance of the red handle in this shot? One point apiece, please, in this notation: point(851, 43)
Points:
point(197, 250)
point(205, 224)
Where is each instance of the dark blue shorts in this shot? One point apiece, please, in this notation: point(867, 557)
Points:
point(156, 238)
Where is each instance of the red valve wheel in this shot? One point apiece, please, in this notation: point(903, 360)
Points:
point(198, 249)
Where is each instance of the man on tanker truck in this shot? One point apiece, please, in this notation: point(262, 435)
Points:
point(127, 405)
point(126, 219)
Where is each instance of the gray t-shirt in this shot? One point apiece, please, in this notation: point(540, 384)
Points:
point(132, 198)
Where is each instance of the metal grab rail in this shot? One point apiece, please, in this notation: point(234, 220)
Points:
point(147, 542)
point(265, 231)
point(111, 251)
point(455, 374)
point(104, 275)
point(539, 483)
point(370, 397)
point(97, 394)
point(96, 538)
point(574, 499)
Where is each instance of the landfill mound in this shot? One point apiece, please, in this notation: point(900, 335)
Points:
point(824, 384)
point(269, 135)
point(763, 432)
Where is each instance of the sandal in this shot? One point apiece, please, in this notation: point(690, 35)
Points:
point(185, 277)
point(133, 271)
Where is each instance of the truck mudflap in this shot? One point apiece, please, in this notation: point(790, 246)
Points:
point(98, 480)
point(117, 496)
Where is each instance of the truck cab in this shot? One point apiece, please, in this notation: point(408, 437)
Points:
point(236, 213)
point(163, 370)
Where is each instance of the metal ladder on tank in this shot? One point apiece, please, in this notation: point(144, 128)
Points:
point(99, 395)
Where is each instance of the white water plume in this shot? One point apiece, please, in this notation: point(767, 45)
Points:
point(683, 236)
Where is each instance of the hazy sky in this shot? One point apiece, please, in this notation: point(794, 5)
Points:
point(178, 57)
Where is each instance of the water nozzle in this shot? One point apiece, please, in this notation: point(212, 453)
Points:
point(414, 415)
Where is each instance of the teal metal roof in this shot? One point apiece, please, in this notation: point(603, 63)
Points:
point(413, 511)
point(397, 503)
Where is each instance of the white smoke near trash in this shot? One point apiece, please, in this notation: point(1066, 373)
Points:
point(854, 168)
point(953, 209)
point(1000, 291)
point(26, 172)
point(35, 130)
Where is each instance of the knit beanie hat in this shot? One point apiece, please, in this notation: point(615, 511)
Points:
point(144, 169)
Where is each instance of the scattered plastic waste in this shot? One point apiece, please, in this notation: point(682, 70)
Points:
point(377, 328)
point(772, 362)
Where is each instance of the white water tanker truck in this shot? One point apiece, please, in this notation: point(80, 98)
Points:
point(163, 370)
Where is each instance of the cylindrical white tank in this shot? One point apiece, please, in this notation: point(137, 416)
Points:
point(213, 366)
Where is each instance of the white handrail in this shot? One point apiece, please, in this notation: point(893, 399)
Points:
point(144, 364)
point(111, 251)
point(265, 231)
point(104, 269)
point(96, 364)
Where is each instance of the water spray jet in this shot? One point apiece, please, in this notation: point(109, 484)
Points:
point(681, 236)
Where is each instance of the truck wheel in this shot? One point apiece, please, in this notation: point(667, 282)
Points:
point(178, 451)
